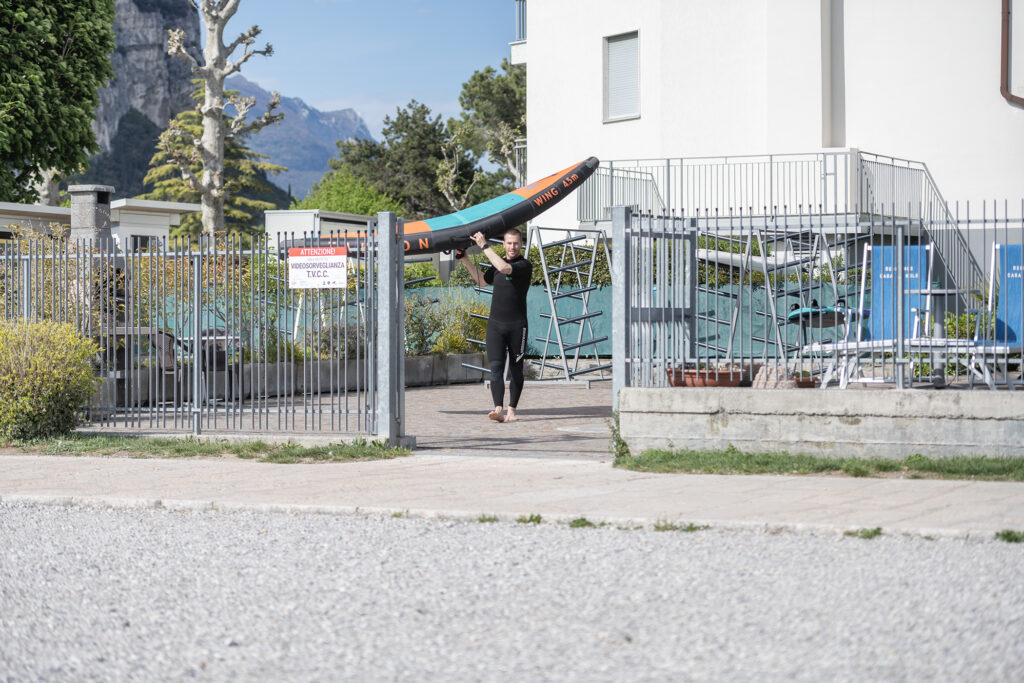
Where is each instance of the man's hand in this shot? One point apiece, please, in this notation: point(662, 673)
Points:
point(479, 239)
point(460, 254)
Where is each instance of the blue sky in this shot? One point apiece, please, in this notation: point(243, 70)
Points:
point(375, 55)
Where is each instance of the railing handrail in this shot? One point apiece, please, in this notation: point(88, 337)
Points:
point(840, 180)
point(520, 21)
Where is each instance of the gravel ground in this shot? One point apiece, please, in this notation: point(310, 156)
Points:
point(93, 593)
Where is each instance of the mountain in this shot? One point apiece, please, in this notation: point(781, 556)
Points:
point(303, 141)
point(149, 87)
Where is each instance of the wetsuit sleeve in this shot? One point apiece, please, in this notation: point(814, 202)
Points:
point(489, 275)
point(522, 272)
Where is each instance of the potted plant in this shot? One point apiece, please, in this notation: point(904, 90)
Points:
point(804, 379)
point(722, 375)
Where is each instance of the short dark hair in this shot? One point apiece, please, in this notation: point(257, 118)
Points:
point(516, 231)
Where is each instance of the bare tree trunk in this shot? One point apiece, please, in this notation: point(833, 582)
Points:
point(48, 188)
point(209, 149)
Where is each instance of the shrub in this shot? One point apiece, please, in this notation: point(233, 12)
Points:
point(46, 378)
point(440, 326)
point(602, 271)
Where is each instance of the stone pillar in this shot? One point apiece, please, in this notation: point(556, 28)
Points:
point(90, 211)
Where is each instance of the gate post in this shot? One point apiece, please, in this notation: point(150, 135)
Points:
point(621, 293)
point(198, 387)
point(391, 331)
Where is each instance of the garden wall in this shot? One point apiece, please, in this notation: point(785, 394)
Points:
point(851, 423)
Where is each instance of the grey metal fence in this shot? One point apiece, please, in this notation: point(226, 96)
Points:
point(208, 335)
point(822, 299)
point(846, 184)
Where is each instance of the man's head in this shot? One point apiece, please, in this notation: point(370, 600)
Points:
point(513, 243)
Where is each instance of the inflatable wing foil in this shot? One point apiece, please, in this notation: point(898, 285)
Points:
point(492, 218)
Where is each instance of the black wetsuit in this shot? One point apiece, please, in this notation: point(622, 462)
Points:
point(507, 329)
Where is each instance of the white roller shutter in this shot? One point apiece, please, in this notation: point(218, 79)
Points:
point(622, 77)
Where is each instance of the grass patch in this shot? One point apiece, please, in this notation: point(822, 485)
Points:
point(157, 447)
point(1010, 536)
point(487, 519)
point(581, 523)
point(532, 519)
point(732, 461)
point(688, 528)
point(866, 534)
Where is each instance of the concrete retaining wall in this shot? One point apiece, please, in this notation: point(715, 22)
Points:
point(852, 423)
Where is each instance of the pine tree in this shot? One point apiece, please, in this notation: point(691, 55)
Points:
point(245, 178)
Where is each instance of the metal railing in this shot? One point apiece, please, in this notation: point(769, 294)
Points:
point(824, 299)
point(831, 182)
point(758, 184)
point(520, 20)
point(519, 152)
point(208, 335)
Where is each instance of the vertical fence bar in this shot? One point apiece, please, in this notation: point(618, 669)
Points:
point(621, 297)
point(390, 315)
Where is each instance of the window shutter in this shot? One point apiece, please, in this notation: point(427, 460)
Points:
point(622, 90)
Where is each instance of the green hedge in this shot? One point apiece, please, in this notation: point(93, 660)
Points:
point(553, 255)
point(46, 377)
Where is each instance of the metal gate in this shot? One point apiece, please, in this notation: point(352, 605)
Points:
point(207, 336)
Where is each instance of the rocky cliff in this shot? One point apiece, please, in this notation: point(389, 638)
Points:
point(146, 78)
point(150, 87)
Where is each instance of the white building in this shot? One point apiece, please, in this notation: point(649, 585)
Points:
point(671, 79)
point(133, 222)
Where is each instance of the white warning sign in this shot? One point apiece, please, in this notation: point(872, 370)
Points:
point(318, 267)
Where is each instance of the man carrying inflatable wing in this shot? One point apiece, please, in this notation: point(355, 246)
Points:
point(506, 325)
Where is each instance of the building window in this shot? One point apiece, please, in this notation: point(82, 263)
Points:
point(621, 77)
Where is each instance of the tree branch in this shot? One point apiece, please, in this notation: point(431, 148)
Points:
point(234, 67)
point(183, 157)
point(246, 38)
point(176, 48)
point(448, 172)
point(238, 125)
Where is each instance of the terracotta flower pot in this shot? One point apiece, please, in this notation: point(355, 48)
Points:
point(678, 377)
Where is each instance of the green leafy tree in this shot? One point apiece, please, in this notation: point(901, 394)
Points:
point(55, 56)
point(340, 190)
point(245, 181)
point(494, 112)
point(405, 164)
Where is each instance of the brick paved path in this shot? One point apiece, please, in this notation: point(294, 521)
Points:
point(555, 419)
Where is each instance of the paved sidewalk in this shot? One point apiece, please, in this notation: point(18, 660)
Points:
point(554, 463)
point(558, 489)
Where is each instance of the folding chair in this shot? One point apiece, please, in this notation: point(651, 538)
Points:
point(169, 366)
point(880, 337)
point(999, 331)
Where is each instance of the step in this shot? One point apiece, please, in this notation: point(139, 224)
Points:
point(550, 366)
point(570, 347)
point(606, 366)
point(575, 294)
point(579, 318)
point(568, 240)
point(571, 266)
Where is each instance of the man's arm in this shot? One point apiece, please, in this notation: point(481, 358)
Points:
point(475, 274)
point(500, 264)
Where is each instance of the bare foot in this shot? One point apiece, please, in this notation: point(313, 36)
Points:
point(511, 417)
point(496, 415)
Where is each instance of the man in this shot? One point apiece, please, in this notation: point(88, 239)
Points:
point(506, 325)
